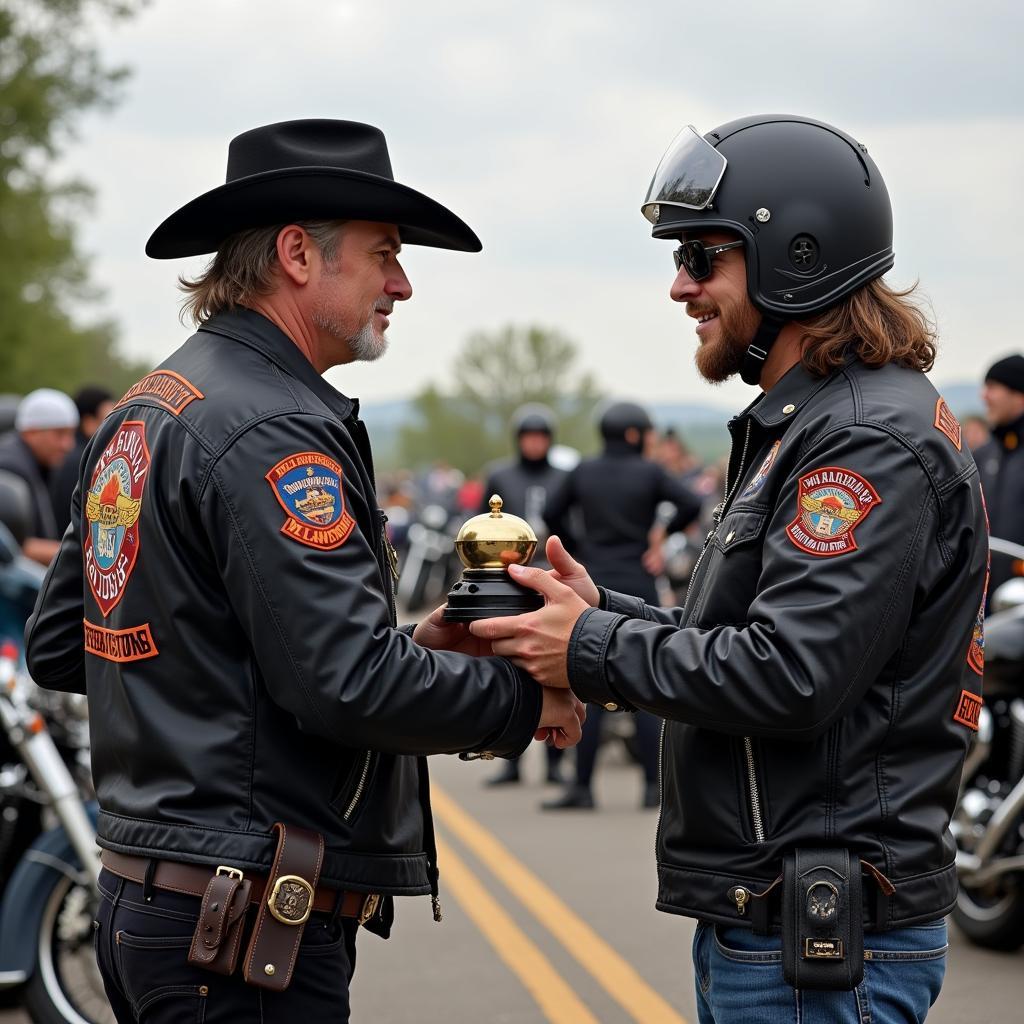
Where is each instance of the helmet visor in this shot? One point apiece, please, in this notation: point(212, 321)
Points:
point(688, 175)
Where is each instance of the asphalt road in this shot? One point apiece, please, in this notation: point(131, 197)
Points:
point(549, 918)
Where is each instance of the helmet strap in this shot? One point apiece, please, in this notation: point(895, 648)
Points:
point(757, 351)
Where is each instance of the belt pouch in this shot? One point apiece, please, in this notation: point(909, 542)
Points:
point(285, 908)
point(822, 920)
point(218, 934)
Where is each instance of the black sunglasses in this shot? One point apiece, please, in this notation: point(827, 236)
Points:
point(695, 257)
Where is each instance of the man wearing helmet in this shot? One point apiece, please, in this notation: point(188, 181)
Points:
point(821, 681)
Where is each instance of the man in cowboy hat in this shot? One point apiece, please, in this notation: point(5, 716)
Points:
point(259, 725)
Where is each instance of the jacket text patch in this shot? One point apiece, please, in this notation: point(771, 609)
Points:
point(947, 423)
point(308, 487)
point(113, 505)
point(831, 503)
point(968, 710)
point(133, 644)
point(166, 388)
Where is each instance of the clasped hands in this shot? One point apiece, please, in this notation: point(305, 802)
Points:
point(538, 642)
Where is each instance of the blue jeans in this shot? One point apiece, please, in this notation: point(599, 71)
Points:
point(739, 979)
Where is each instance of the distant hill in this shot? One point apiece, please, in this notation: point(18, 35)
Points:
point(701, 424)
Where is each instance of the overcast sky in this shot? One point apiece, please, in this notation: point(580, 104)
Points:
point(540, 124)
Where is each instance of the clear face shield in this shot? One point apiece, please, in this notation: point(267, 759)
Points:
point(688, 176)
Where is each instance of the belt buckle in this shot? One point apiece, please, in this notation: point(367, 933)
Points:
point(370, 905)
point(291, 899)
point(224, 869)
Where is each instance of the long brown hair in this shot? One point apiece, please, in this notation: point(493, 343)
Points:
point(880, 324)
point(244, 268)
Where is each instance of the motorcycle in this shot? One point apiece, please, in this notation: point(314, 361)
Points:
point(49, 861)
point(988, 823)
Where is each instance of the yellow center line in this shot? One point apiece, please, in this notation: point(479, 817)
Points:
point(619, 979)
point(557, 1001)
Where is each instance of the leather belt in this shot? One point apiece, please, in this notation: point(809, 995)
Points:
point(192, 880)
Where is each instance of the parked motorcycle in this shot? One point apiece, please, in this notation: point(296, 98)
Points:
point(988, 824)
point(48, 856)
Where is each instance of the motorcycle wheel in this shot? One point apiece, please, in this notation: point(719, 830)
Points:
point(65, 987)
point(994, 917)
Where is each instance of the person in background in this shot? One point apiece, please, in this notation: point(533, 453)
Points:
point(94, 404)
point(1001, 460)
point(524, 484)
point(44, 433)
point(976, 432)
point(606, 512)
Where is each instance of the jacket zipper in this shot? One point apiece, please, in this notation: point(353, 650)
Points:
point(755, 796)
point(716, 516)
point(360, 788)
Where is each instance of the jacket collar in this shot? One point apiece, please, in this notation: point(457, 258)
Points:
point(255, 330)
point(1009, 434)
point(796, 388)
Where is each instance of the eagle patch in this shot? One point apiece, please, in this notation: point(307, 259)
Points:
point(831, 503)
point(308, 486)
point(113, 506)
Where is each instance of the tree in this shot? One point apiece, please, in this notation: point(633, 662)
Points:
point(50, 72)
point(494, 374)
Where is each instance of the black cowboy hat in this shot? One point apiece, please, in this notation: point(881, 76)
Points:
point(308, 170)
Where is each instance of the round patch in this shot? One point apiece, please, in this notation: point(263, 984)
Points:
point(308, 487)
point(831, 503)
point(113, 505)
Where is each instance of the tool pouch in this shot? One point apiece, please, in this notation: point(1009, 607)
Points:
point(218, 935)
point(285, 908)
point(822, 920)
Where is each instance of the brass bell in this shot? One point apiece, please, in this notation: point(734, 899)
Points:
point(487, 545)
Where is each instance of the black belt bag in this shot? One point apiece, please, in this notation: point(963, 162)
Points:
point(822, 920)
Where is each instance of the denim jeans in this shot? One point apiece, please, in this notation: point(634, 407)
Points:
point(739, 979)
point(142, 946)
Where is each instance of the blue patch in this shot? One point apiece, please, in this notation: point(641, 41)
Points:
point(308, 486)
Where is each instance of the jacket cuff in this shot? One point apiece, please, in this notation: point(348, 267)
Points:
point(623, 604)
point(522, 723)
point(587, 647)
point(408, 629)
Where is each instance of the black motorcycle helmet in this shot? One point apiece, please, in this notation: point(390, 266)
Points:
point(619, 417)
point(806, 198)
point(533, 418)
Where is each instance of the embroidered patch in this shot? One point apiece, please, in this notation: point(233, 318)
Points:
point(976, 651)
point(165, 387)
point(762, 474)
point(308, 486)
point(133, 644)
point(113, 505)
point(948, 423)
point(831, 503)
point(968, 709)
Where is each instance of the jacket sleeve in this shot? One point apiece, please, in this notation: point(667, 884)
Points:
point(818, 631)
point(318, 619)
point(54, 634)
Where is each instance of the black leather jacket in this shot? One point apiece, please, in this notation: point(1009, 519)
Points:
point(241, 660)
point(820, 683)
point(1001, 464)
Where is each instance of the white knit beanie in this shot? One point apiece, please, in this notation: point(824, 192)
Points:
point(45, 409)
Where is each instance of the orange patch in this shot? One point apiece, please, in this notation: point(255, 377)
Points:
point(133, 644)
point(165, 387)
point(947, 423)
point(968, 710)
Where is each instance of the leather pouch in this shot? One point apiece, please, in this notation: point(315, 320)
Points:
point(218, 935)
point(822, 920)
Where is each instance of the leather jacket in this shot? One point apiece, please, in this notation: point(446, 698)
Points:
point(1001, 465)
point(821, 682)
point(240, 653)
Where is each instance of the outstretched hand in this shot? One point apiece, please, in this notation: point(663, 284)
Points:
point(436, 634)
point(538, 642)
point(561, 718)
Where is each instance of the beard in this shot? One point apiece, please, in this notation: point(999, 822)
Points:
point(367, 344)
point(721, 357)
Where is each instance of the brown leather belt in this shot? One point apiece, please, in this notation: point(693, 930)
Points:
point(192, 880)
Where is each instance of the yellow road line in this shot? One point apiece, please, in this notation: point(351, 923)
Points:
point(612, 972)
point(557, 1001)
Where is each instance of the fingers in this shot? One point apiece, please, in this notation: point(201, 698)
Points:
point(496, 629)
point(435, 618)
point(539, 580)
point(560, 560)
